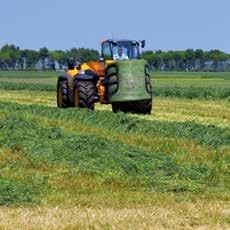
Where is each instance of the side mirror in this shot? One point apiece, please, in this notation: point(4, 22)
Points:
point(143, 44)
point(78, 64)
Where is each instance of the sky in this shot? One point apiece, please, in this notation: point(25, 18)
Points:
point(164, 24)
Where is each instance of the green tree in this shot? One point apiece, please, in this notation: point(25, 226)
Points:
point(43, 53)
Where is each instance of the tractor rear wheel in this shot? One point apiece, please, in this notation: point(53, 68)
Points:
point(138, 107)
point(62, 94)
point(85, 94)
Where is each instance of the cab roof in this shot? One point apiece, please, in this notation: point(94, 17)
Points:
point(120, 40)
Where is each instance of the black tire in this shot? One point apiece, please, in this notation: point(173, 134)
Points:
point(85, 94)
point(138, 107)
point(62, 94)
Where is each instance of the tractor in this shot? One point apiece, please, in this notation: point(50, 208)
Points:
point(120, 78)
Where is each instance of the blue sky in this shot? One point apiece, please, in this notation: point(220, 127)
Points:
point(165, 24)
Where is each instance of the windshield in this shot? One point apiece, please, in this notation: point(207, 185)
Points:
point(125, 51)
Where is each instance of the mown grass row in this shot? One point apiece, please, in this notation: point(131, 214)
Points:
point(14, 192)
point(192, 75)
point(82, 153)
point(206, 112)
point(28, 74)
point(163, 91)
point(160, 75)
point(165, 84)
point(207, 135)
point(193, 92)
point(26, 86)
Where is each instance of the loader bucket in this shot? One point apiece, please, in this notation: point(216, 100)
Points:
point(128, 81)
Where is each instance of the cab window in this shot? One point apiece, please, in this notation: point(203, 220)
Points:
point(106, 51)
point(125, 51)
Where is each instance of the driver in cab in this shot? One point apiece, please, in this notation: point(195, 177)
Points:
point(120, 55)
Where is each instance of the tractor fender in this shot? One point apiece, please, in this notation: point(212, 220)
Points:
point(86, 77)
point(65, 77)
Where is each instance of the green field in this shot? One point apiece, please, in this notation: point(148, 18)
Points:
point(184, 85)
point(71, 169)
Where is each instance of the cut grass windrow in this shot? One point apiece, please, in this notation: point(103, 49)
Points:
point(112, 148)
point(206, 135)
point(205, 112)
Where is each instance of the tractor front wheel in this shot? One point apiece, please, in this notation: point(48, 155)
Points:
point(85, 94)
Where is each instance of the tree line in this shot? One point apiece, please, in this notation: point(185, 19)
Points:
point(188, 60)
point(14, 58)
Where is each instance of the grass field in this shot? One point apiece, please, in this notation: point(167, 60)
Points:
point(175, 84)
point(73, 169)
